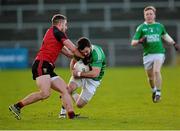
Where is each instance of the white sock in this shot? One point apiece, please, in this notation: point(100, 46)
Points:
point(158, 93)
point(154, 89)
point(63, 110)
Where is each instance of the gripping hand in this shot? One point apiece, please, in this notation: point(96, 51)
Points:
point(142, 40)
point(177, 47)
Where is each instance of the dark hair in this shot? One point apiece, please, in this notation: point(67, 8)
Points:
point(56, 18)
point(83, 42)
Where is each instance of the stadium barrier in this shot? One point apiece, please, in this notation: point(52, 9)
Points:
point(13, 58)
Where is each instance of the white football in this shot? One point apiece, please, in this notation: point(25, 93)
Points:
point(80, 66)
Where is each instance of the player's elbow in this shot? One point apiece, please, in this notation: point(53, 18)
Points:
point(95, 73)
point(79, 105)
point(168, 39)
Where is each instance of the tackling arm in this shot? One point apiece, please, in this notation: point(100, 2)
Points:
point(72, 48)
point(67, 52)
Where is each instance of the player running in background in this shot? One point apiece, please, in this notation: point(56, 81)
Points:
point(88, 81)
point(150, 34)
point(54, 42)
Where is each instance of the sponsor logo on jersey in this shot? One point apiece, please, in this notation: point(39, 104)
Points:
point(153, 38)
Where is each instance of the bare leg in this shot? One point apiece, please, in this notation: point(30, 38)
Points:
point(157, 74)
point(150, 75)
point(72, 87)
point(44, 84)
point(76, 97)
point(80, 103)
point(60, 86)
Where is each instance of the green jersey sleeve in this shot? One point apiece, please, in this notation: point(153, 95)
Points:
point(97, 63)
point(97, 60)
point(163, 30)
point(138, 33)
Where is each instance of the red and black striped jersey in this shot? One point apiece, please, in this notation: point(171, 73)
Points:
point(52, 45)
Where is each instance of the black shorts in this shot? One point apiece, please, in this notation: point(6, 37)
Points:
point(41, 67)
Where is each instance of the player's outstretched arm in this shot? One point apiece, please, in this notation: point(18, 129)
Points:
point(134, 42)
point(140, 41)
point(169, 40)
point(72, 48)
point(176, 46)
point(67, 52)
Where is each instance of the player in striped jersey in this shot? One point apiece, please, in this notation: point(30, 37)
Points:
point(55, 42)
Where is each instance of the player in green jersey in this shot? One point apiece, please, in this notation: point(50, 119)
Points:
point(89, 81)
point(150, 35)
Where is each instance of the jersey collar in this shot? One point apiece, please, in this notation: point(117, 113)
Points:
point(149, 24)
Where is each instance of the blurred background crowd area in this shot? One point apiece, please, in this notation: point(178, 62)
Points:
point(109, 23)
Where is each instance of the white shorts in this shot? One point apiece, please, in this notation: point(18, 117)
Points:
point(149, 59)
point(88, 86)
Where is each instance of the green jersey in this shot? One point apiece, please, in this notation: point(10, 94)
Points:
point(98, 59)
point(153, 33)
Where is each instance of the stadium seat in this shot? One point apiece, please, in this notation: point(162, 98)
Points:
point(75, 15)
point(8, 17)
point(114, 32)
point(14, 34)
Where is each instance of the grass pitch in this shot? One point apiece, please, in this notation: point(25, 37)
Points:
point(123, 101)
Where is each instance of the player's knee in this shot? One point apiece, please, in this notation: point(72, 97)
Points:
point(45, 94)
point(69, 90)
point(156, 72)
point(79, 105)
point(71, 87)
point(150, 77)
point(64, 92)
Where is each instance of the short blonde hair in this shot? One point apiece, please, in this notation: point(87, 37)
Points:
point(150, 8)
point(56, 18)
